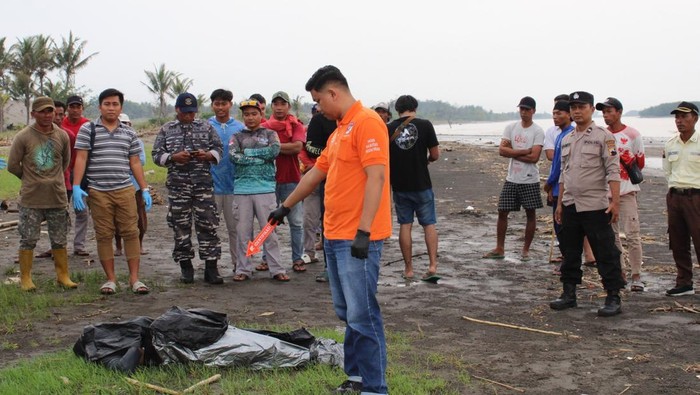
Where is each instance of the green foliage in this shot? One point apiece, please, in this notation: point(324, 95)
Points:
point(9, 185)
point(64, 373)
point(661, 110)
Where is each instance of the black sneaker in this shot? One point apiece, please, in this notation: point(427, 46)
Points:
point(349, 387)
point(681, 290)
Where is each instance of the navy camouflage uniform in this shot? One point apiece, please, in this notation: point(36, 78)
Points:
point(190, 187)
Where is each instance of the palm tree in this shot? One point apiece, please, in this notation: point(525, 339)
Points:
point(180, 85)
point(22, 88)
point(296, 105)
point(202, 99)
point(55, 90)
point(68, 58)
point(160, 82)
point(6, 58)
point(43, 55)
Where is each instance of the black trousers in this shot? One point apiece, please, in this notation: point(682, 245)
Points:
point(595, 225)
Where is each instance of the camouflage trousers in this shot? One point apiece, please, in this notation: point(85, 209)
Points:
point(188, 202)
point(29, 226)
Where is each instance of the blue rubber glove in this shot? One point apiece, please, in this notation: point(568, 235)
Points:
point(3, 164)
point(147, 199)
point(78, 195)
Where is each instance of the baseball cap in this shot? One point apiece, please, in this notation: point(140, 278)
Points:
point(74, 100)
point(609, 102)
point(124, 118)
point(527, 102)
point(280, 95)
point(250, 103)
point(562, 105)
point(381, 105)
point(42, 103)
point(581, 97)
point(685, 106)
point(186, 102)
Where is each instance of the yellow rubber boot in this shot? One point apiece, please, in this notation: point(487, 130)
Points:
point(25, 270)
point(60, 258)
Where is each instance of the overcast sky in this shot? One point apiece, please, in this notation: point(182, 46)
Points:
point(487, 53)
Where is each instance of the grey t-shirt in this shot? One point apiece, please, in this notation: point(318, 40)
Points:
point(109, 167)
point(523, 138)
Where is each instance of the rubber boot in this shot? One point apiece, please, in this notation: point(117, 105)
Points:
point(567, 298)
point(613, 304)
point(211, 273)
point(186, 272)
point(60, 259)
point(26, 258)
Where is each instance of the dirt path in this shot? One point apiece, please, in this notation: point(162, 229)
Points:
point(647, 350)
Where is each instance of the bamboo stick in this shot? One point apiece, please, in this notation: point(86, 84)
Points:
point(522, 328)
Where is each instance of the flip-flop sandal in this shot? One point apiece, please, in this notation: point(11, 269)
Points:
point(525, 258)
point(281, 277)
point(298, 267)
point(139, 288)
point(430, 278)
point(108, 288)
point(405, 277)
point(493, 255)
point(263, 267)
point(637, 286)
point(46, 254)
point(241, 277)
point(559, 259)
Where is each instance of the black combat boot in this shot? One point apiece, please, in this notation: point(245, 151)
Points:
point(211, 273)
point(187, 272)
point(613, 304)
point(567, 298)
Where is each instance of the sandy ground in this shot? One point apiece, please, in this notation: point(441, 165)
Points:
point(649, 349)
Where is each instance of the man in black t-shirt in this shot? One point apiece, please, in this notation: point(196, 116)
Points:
point(413, 144)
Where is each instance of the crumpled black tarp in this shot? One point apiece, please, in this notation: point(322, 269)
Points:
point(118, 345)
point(201, 336)
point(192, 328)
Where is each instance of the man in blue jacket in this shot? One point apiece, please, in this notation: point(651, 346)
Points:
point(224, 172)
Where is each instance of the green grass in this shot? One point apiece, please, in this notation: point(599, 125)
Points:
point(64, 373)
point(18, 308)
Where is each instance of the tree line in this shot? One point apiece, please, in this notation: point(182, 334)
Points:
point(26, 67)
point(661, 110)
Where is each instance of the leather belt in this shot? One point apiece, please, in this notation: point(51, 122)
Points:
point(685, 191)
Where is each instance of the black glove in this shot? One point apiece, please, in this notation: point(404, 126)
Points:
point(277, 216)
point(360, 246)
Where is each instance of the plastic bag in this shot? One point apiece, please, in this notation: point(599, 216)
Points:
point(193, 328)
point(635, 173)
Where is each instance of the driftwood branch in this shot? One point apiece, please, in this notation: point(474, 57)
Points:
point(401, 259)
point(152, 387)
point(497, 383)
point(522, 328)
point(210, 380)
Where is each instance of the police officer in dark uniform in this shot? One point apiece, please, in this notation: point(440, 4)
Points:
point(187, 147)
point(589, 164)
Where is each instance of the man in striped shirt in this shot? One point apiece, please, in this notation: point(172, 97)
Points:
point(110, 160)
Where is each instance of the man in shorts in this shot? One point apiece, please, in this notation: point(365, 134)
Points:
point(522, 143)
point(413, 145)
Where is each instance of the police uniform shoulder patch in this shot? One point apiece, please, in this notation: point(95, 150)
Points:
point(611, 147)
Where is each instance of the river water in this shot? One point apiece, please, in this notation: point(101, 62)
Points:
point(655, 132)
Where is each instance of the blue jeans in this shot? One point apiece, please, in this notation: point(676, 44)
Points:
point(295, 219)
point(353, 285)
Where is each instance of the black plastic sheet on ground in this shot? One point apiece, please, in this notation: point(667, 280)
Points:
point(201, 336)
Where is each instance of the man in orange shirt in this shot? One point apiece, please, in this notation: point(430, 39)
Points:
point(355, 165)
